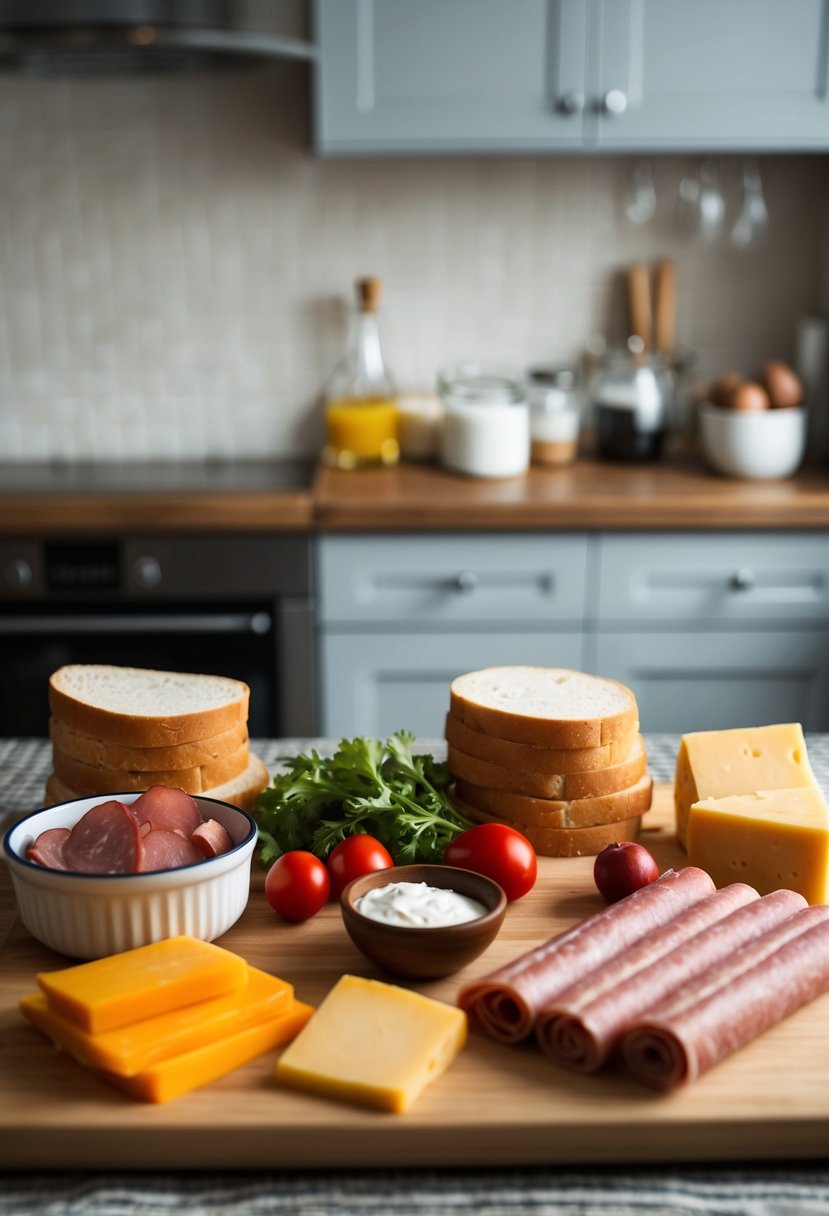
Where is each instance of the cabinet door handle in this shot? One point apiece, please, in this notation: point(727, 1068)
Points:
point(466, 582)
point(742, 580)
point(570, 104)
point(614, 103)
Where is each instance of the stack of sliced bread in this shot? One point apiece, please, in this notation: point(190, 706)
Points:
point(555, 753)
point(118, 729)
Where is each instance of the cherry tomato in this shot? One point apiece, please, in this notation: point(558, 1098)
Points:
point(499, 852)
point(297, 885)
point(354, 856)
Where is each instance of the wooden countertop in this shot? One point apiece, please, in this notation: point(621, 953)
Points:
point(587, 495)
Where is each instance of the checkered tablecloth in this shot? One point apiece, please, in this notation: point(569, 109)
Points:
point(787, 1189)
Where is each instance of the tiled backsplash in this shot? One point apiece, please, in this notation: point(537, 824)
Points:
point(175, 265)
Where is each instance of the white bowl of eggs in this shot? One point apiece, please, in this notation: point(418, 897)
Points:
point(755, 429)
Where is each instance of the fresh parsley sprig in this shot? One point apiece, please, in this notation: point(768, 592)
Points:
point(368, 785)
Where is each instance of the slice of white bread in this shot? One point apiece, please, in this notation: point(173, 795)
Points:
point(94, 779)
point(551, 813)
point(566, 842)
point(140, 707)
point(242, 791)
point(591, 784)
point(546, 761)
point(145, 759)
point(545, 706)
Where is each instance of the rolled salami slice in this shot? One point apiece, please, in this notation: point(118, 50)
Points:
point(585, 1023)
point(106, 840)
point(47, 849)
point(731, 1004)
point(505, 1003)
point(168, 808)
point(212, 838)
point(165, 850)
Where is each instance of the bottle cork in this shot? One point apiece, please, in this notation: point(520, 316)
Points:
point(369, 291)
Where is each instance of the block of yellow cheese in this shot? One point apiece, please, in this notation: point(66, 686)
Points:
point(716, 763)
point(768, 839)
point(374, 1043)
point(132, 1049)
point(123, 988)
point(171, 1078)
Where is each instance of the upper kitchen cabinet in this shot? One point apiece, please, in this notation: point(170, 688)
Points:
point(398, 76)
point(712, 74)
point(450, 75)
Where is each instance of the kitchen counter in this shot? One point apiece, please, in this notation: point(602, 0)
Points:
point(588, 494)
point(263, 497)
point(723, 1189)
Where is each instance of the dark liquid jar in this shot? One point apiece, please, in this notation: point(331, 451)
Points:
point(632, 399)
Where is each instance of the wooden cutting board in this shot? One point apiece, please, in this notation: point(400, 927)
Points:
point(496, 1105)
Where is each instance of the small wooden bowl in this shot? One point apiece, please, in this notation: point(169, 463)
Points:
point(421, 953)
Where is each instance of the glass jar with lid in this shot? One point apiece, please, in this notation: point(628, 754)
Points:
point(486, 426)
point(555, 414)
point(632, 400)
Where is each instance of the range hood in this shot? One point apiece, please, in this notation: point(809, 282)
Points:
point(44, 36)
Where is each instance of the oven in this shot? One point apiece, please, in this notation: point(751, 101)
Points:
point(236, 606)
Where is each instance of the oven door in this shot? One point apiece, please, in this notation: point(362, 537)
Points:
point(235, 607)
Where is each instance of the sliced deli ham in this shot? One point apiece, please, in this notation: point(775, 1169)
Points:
point(731, 1004)
point(583, 1026)
point(506, 1003)
point(106, 840)
point(169, 808)
point(165, 850)
point(212, 838)
point(47, 849)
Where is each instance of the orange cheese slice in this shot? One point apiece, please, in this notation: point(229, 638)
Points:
point(124, 988)
point(133, 1049)
point(181, 1074)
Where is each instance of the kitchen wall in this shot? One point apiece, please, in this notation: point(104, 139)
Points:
point(175, 266)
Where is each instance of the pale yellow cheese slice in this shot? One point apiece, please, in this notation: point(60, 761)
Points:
point(769, 839)
point(716, 763)
point(374, 1043)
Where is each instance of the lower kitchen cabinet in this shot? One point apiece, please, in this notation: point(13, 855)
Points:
point(377, 683)
point(687, 681)
point(709, 630)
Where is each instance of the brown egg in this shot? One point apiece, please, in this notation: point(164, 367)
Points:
point(750, 396)
point(722, 390)
point(783, 385)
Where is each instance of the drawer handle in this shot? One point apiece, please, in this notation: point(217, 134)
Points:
point(466, 582)
point(743, 580)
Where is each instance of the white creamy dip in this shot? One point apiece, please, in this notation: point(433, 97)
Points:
point(418, 905)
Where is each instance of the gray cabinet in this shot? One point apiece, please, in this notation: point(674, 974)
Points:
point(398, 76)
point(710, 630)
point(401, 616)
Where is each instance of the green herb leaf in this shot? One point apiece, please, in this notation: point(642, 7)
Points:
point(367, 786)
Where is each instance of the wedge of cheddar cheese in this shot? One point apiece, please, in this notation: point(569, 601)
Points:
point(374, 1043)
point(122, 988)
point(720, 763)
point(132, 1049)
point(768, 839)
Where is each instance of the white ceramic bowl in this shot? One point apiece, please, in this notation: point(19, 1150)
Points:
point(91, 915)
point(753, 444)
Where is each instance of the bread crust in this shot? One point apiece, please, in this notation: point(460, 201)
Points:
point(532, 758)
point(542, 730)
point(543, 813)
point(242, 791)
point(94, 779)
point(145, 759)
point(591, 784)
point(164, 729)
